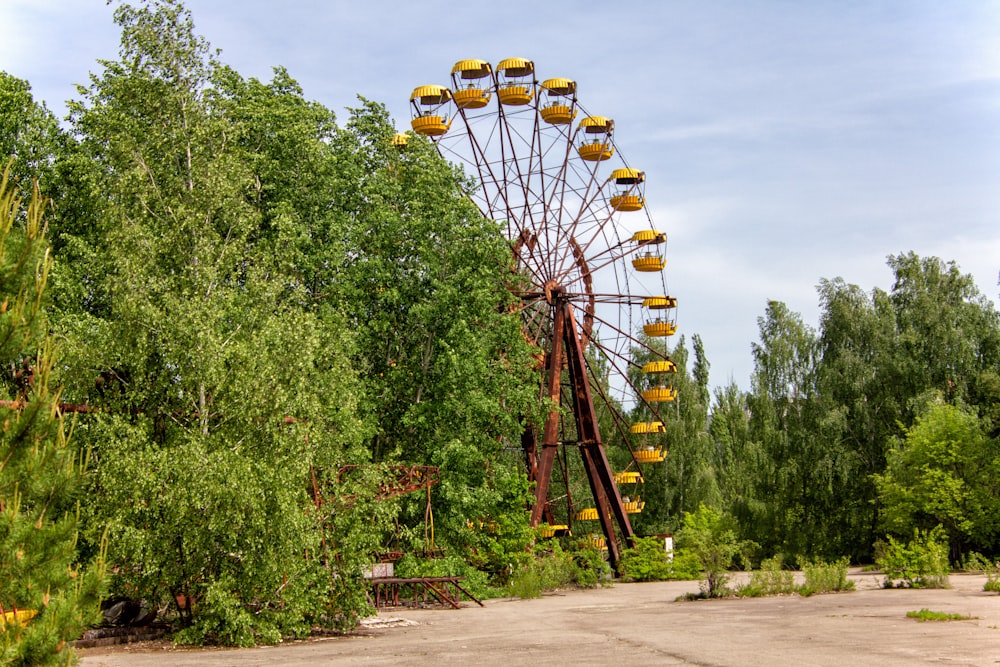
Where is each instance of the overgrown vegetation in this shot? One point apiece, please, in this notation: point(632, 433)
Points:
point(928, 615)
point(770, 579)
point(648, 560)
point(48, 594)
point(711, 537)
point(921, 562)
point(824, 577)
point(552, 567)
point(250, 298)
point(773, 579)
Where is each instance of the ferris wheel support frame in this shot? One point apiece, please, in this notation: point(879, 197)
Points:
point(567, 350)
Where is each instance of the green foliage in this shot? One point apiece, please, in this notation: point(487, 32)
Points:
point(551, 567)
point(649, 561)
point(592, 567)
point(920, 563)
point(770, 579)
point(711, 537)
point(993, 579)
point(223, 388)
point(798, 458)
point(646, 561)
point(29, 135)
point(943, 473)
point(991, 568)
point(826, 577)
point(475, 581)
point(928, 615)
point(976, 562)
point(41, 573)
point(820, 577)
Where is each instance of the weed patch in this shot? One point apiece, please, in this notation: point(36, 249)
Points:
point(928, 615)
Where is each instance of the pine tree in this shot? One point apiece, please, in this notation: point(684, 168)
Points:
point(46, 597)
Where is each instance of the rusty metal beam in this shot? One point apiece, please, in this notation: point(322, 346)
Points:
point(550, 434)
point(599, 473)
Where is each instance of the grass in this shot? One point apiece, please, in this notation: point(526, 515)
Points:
point(928, 615)
point(820, 577)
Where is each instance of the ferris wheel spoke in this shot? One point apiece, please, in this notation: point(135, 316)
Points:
point(609, 260)
point(621, 424)
point(595, 232)
point(619, 365)
point(535, 322)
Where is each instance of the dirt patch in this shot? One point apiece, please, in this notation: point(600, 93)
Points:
point(644, 624)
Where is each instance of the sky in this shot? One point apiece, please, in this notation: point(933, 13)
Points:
point(783, 142)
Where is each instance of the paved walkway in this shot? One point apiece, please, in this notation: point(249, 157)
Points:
point(643, 624)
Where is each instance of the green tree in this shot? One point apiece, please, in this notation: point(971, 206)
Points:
point(944, 473)
point(736, 458)
point(933, 331)
point(29, 134)
point(803, 467)
point(686, 478)
point(948, 332)
point(47, 596)
point(860, 387)
point(218, 390)
point(445, 370)
point(711, 536)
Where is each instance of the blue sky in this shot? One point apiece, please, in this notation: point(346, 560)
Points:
point(783, 142)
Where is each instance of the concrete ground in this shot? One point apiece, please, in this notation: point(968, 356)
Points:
point(644, 624)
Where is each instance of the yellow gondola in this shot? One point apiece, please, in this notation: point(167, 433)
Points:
point(629, 196)
point(554, 530)
point(633, 506)
point(647, 427)
point(661, 394)
point(628, 477)
point(558, 101)
point(662, 366)
point(649, 262)
point(515, 81)
point(428, 104)
point(659, 328)
point(659, 302)
point(650, 455)
point(596, 144)
point(649, 236)
point(472, 82)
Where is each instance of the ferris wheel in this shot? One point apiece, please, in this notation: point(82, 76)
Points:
point(593, 297)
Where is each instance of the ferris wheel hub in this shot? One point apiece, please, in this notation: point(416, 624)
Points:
point(553, 291)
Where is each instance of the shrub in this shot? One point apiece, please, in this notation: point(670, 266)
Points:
point(710, 536)
point(823, 577)
point(649, 561)
point(591, 566)
point(975, 562)
point(475, 581)
point(993, 579)
point(550, 568)
point(770, 579)
point(646, 561)
point(920, 563)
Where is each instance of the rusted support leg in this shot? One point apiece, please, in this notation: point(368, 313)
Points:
point(550, 436)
